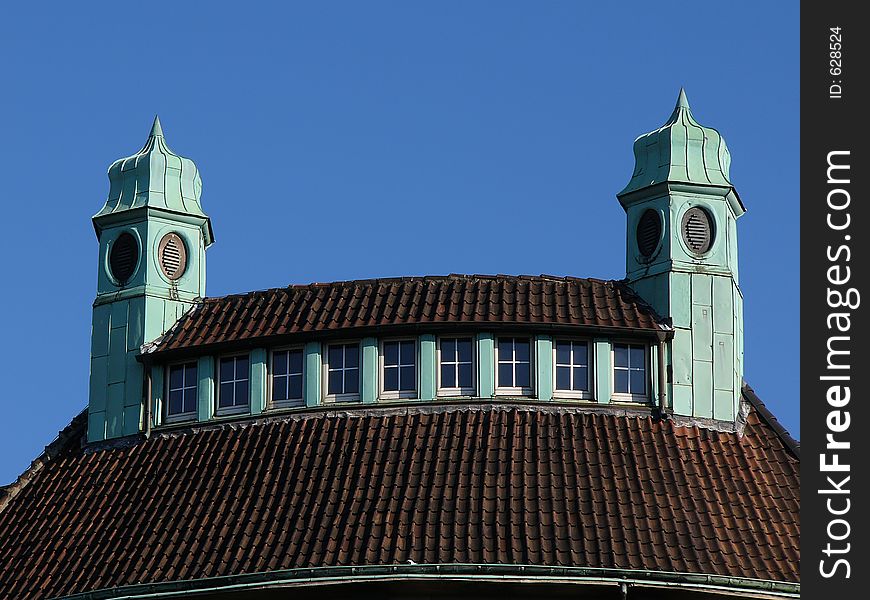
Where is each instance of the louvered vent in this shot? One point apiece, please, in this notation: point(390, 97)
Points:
point(123, 257)
point(649, 230)
point(172, 255)
point(697, 230)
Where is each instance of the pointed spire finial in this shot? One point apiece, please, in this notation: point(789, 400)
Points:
point(156, 129)
point(682, 101)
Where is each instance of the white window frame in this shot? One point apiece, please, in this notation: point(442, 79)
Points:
point(222, 411)
point(528, 392)
point(340, 398)
point(180, 417)
point(623, 397)
point(590, 370)
point(397, 394)
point(291, 403)
point(443, 391)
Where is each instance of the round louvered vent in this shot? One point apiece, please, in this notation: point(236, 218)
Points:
point(123, 257)
point(697, 230)
point(172, 255)
point(649, 230)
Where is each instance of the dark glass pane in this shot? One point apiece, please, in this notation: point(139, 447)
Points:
point(448, 376)
point(505, 348)
point(295, 365)
point(636, 357)
point(225, 395)
point(190, 400)
point(581, 354)
point(463, 349)
point(563, 353)
point(279, 363)
point(637, 382)
point(581, 379)
point(294, 390)
point(448, 349)
point(279, 388)
point(620, 355)
point(351, 381)
point(175, 403)
point(391, 379)
point(226, 369)
point(408, 353)
point(523, 376)
point(505, 375)
point(334, 385)
point(620, 381)
point(241, 393)
point(242, 367)
point(351, 355)
point(521, 347)
point(408, 379)
point(391, 353)
point(335, 357)
point(563, 378)
point(466, 376)
point(190, 375)
point(176, 378)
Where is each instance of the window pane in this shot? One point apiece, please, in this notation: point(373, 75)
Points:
point(225, 396)
point(563, 353)
point(334, 383)
point(391, 379)
point(175, 402)
point(295, 387)
point(448, 350)
point(505, 375)
point(279, 388)
point(295, 361)
point(563, 378)
point(581, 354)
point(176, 378)
point(448, 375)
point(620, 355)
point(637, 382)
point(620, 381)
point(466, 376)
point(523, 376)
point(351, 381)
point(391, 353)
point(409, 379)
point(335, 354)
point(463, 348)
point(241, 393)
point(226, 369)
point(242, 367)
point(581, 378)
point(279, 363)
point(636, 357)
point(190, 400)
point(351, 356)
point(190, 375)
point(505, 348)
point(521, 347)
point(409, 353)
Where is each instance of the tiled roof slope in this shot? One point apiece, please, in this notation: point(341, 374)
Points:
point(480, 299)
point(459, 484)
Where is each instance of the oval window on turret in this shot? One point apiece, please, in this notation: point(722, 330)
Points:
point(697, 228)
point(649, 230)
point(123, 257)
point(172, 255)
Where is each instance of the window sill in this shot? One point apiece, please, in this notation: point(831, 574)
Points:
point(342, 399)
point(181, 418)
point(456, 393)
point(280, 404)
point(630, 399)
point(227, 411)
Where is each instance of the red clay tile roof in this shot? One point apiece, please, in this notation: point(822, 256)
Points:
point(432, 301)
point(488, 484)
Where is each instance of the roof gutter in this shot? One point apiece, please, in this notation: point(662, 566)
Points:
point(520, 574)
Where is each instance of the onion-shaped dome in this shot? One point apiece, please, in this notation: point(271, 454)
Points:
point(157, 178)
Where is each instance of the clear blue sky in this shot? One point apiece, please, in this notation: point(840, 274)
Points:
point(361, 139)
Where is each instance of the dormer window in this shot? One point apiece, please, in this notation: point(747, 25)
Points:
point(514, 366)
point(630, 371)
point(181, 392)
point(399, 369)
point(573, 371)
point(456, 366)
point(233, 386)
point(342, 372)
point(287, 368)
